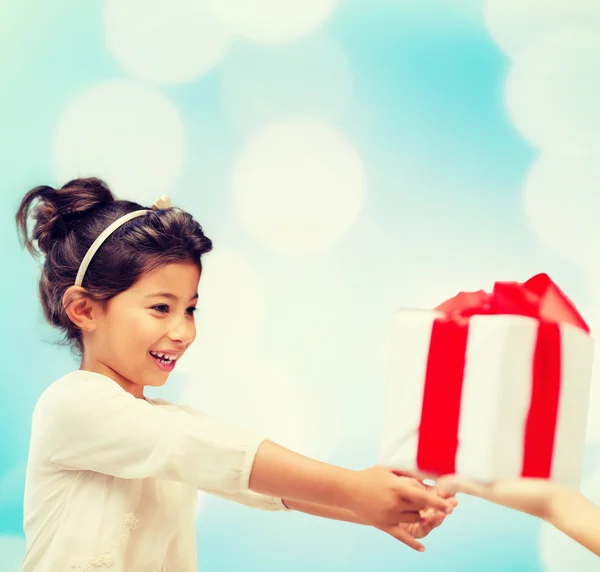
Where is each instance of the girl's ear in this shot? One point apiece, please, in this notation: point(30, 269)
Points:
point(81, 308)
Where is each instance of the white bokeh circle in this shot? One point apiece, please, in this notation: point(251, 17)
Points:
point(165, 41)
point(274, 21)
point(299, 186)
point(553, 89)
point(240, 387)
point(231, 304)
point(125, 133)
point(513, 24)
point(562, 203)
point(12, 551)
point(261, 85)
point(558, 551)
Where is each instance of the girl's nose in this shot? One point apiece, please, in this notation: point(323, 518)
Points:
point(184, 331)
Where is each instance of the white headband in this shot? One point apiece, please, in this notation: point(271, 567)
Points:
point(163, 202)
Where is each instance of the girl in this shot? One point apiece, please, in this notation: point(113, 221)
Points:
point(566, 509)
point(112, 476)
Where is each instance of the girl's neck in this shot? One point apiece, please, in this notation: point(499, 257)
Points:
point(88, 363)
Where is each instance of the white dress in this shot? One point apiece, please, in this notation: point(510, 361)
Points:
point(112, 481)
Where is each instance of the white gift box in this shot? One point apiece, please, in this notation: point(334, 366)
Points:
point(498, 423)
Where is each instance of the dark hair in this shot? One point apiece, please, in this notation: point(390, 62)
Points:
point(69, 219)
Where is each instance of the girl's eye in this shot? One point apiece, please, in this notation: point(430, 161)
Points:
point(162, 308)
point(191, 310)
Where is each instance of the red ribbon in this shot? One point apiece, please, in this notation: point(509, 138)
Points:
point(538, 298)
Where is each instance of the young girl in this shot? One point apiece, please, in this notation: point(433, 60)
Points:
point(566, 509)
point(112, 477)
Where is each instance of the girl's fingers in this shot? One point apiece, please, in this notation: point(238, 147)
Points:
point(400, 534)
point(408, 517)
point(423, 498)
point(432, 518)
point(422, 495)
point(437, 519)
point(452, 500)
point(408, 474)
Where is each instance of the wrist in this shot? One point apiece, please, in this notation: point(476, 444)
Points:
point(350, 490)
point(344, 489)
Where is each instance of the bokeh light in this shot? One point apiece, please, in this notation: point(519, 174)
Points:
point(12, 552)
point(165, 41)
point(299, 186)
point(127, 133)
point(551, 95)
point(274, 21)
point(561, 202)
point(515, 23)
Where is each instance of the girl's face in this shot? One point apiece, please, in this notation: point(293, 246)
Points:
point(141, 333)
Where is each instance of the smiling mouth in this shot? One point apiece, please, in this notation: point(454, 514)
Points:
point(164, 358)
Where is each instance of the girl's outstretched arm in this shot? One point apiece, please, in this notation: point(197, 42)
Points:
point(323, 511)
point(430, 518)
point(568, 510)
point(378, 496)
point(87, 422)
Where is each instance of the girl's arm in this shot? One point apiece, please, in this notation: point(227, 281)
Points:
point(430, 518)
point(323, 511)
point(372, 497)
point(87, 422)
point(377, 495)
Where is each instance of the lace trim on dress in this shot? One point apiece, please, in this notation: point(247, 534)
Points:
point(107, 559)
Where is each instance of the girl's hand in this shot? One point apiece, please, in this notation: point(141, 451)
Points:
point(430, 517)
point(537, 497)
point(390, 502)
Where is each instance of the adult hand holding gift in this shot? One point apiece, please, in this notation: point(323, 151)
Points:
point(490, 386)
point(564, 508)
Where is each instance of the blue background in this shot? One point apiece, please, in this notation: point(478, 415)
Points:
point(445, 168)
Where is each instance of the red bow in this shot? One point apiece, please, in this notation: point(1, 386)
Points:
point(539, 298)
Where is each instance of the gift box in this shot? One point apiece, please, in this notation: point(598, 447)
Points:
point(490, 385)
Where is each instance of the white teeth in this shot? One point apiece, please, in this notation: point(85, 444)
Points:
point(163, 357)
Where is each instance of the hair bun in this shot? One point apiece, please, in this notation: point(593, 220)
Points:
point(59, 210)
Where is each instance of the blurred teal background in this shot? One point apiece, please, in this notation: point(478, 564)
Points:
point(347, 157)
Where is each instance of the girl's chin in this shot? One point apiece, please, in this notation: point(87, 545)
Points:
point(157, 381)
